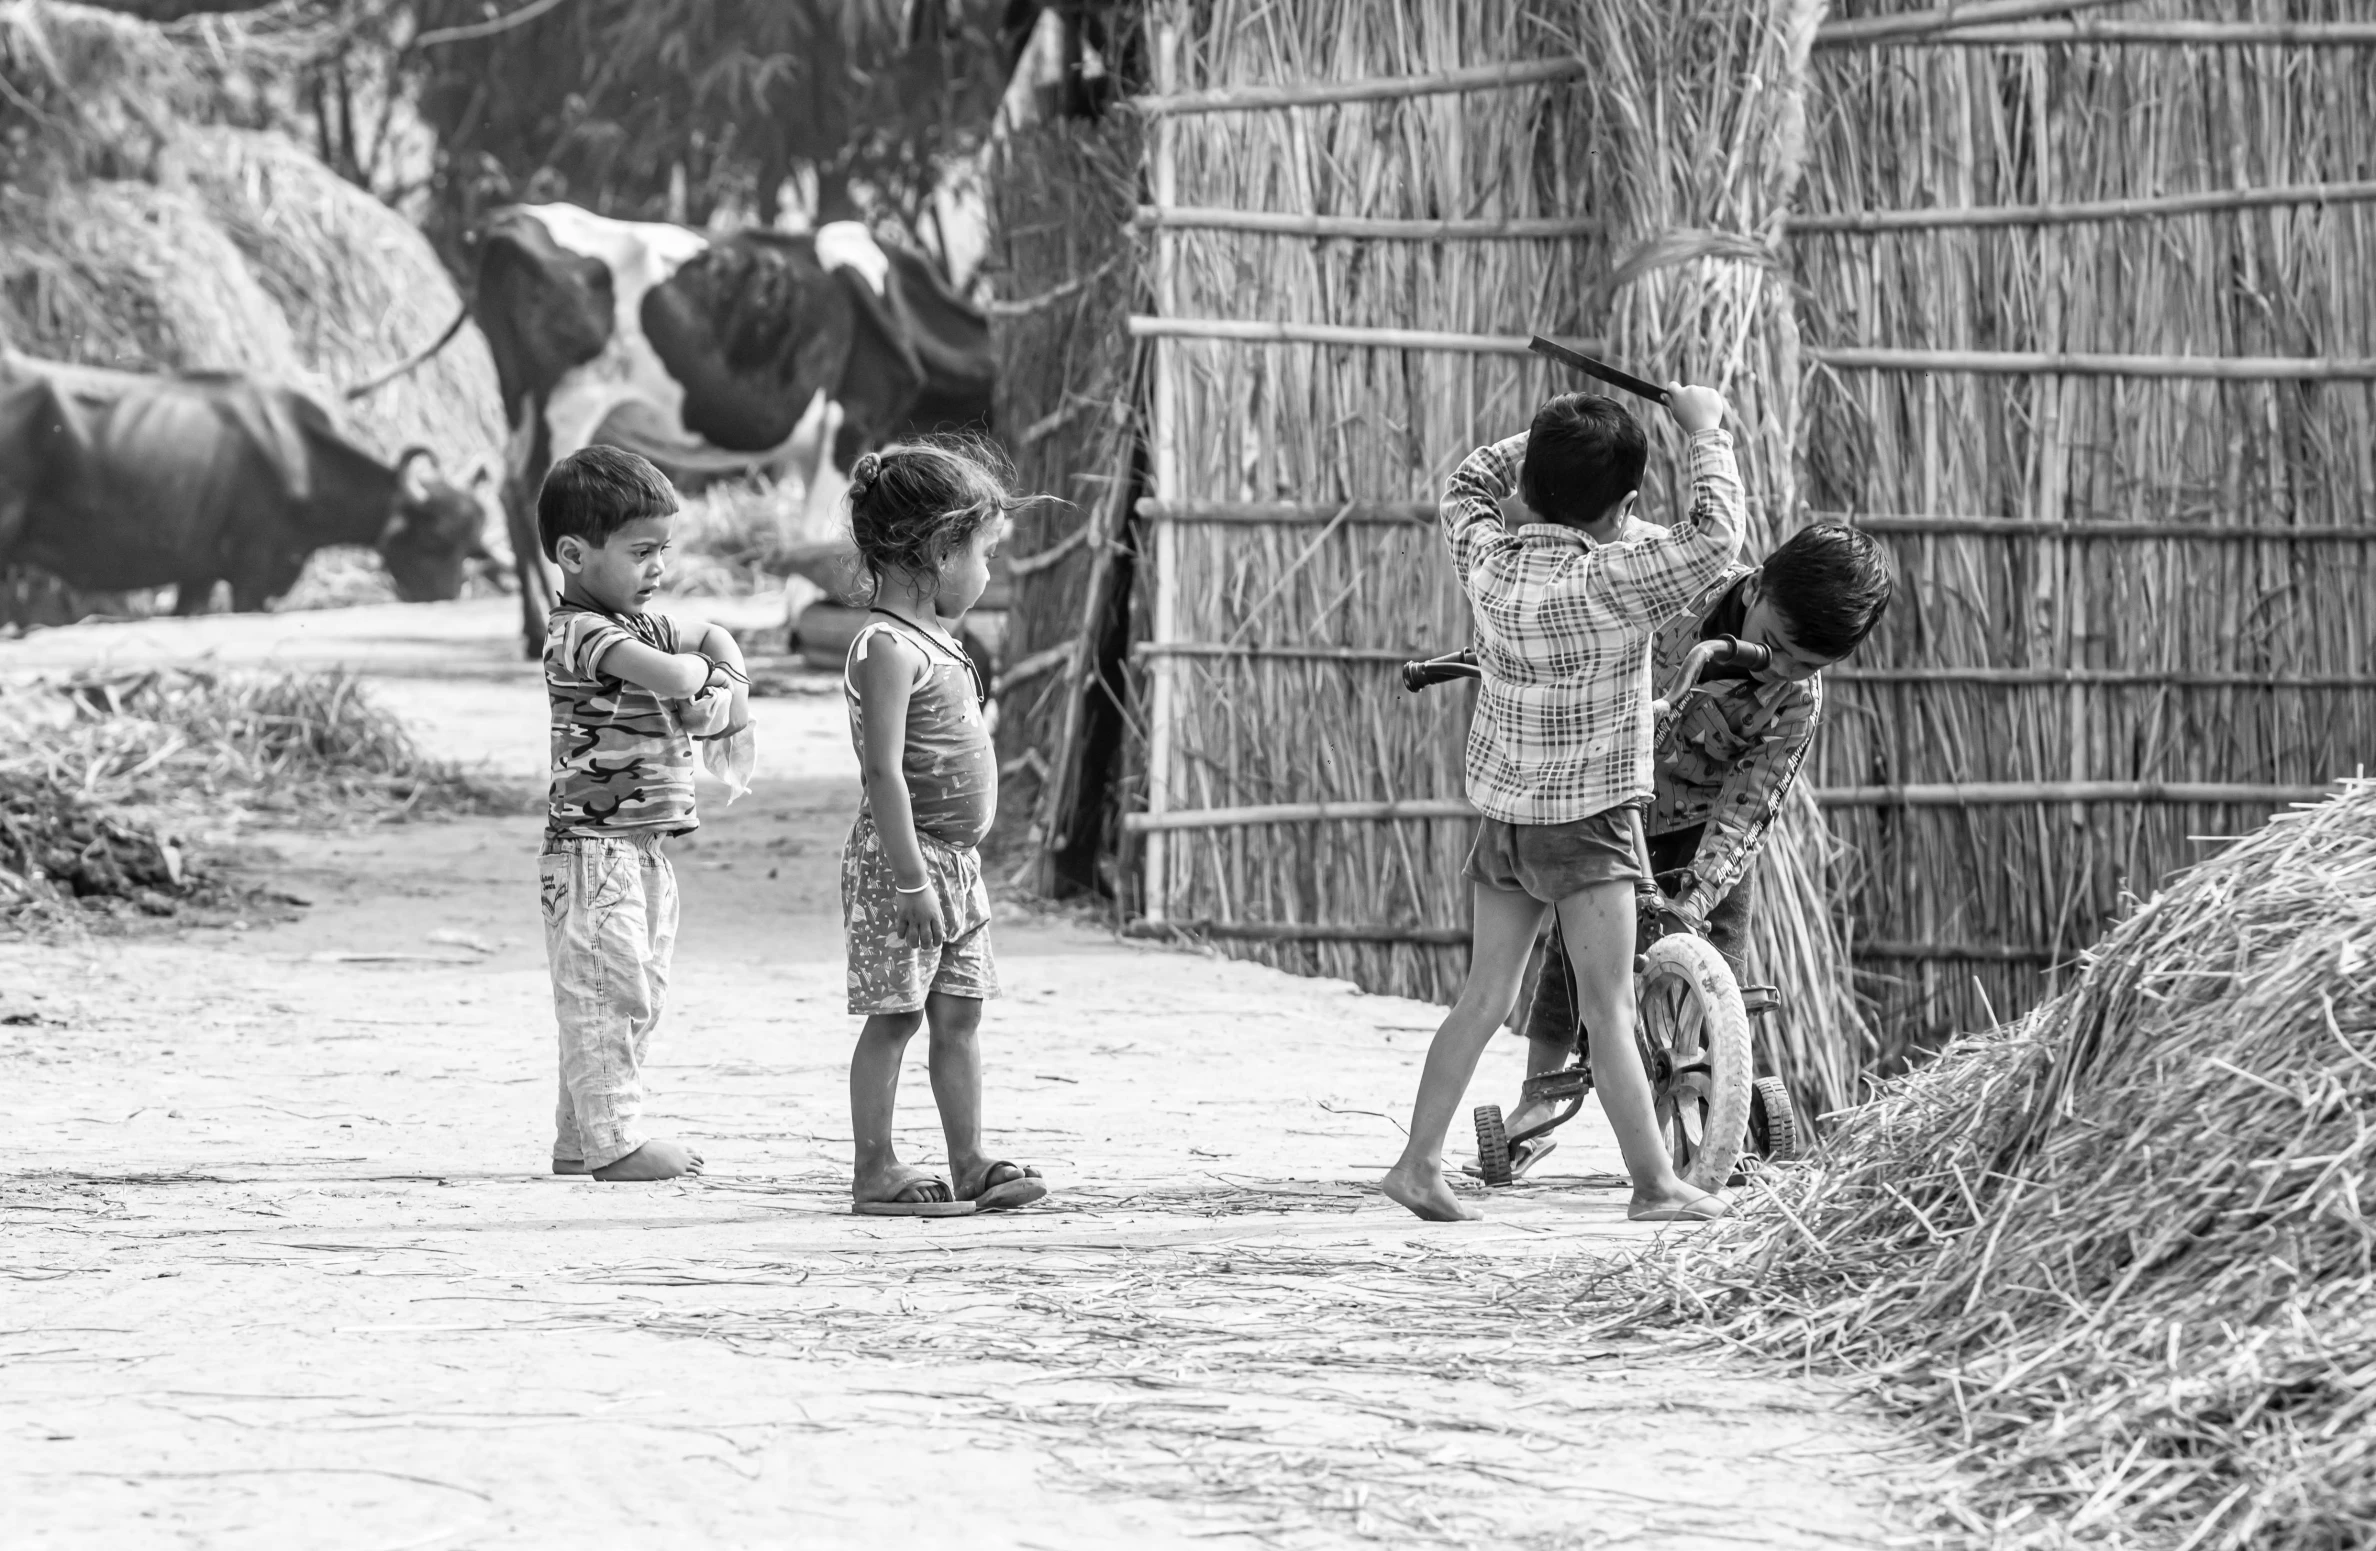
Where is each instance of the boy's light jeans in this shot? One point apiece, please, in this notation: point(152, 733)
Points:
point(610, 916)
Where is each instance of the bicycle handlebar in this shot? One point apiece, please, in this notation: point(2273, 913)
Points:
point(1420, 675)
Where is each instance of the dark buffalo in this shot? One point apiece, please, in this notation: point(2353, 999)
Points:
point(114, 480)
point(759, 351)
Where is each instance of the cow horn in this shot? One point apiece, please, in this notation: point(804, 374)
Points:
point(410, 362)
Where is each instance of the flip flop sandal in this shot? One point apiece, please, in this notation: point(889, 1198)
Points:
point(1705, 1209)
point(944, 1207)
point(1523, 1156)
point(1025, 1188)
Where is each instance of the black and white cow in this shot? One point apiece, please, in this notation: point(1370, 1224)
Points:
point(764, 350)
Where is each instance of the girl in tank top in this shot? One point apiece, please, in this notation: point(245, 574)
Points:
point(927, 518)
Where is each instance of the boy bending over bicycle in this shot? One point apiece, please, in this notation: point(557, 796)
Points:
point(1721, 778)
point(1559, 752)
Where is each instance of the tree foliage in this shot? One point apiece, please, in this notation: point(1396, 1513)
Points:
point(676, 109)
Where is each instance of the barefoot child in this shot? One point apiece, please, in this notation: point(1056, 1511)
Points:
point(630, 691)
point(926, 518)
point(1559, 755)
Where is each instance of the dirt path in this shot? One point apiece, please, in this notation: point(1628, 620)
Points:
point(282, 1270)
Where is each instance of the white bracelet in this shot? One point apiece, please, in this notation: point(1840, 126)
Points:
point(922, 888)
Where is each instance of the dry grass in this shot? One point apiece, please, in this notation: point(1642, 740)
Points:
point(1909, 128)
point(2120, 1256)
point(204, 747)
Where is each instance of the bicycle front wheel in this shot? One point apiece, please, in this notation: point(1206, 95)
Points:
point(1694, 1038)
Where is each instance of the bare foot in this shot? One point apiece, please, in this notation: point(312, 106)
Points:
point(655, 1159)
point(1683, 1205)
point(899, 1182)
point(1527, 1115)
point(1426, 1194)
point(570, 1166)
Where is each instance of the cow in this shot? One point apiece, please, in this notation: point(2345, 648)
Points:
point(112, 480)
point(762, 350)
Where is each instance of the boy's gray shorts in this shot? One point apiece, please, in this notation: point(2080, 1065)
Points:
point(1552, 861)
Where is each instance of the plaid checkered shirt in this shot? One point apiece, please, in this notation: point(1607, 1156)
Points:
point(1564, 626)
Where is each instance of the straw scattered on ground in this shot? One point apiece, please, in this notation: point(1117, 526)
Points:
point(104, 780)
point(2120, 1255)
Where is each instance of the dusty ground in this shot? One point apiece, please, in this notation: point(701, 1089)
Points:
point(282, 1268)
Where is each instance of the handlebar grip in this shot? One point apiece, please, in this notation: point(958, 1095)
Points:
point(1738, 653)
point(1417, 676)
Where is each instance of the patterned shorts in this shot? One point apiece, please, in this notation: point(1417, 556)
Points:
point(890, 975)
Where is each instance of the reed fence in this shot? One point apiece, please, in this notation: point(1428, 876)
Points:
point(2100, 283)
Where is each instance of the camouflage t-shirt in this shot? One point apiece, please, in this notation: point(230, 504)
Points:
point(622, 760)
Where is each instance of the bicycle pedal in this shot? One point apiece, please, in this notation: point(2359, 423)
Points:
point(1567, 1083)
point(1760, 999)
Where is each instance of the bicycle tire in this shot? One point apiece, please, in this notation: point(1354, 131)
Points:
point(1493, 1145)
point(1773, 1121)
point(1693, 1034)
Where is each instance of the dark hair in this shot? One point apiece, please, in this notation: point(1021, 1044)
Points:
point(1831, 583)
point(914, 502)
point(596, 491)
point(1583, 454)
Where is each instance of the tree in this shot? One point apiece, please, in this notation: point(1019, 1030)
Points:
point(675, 109)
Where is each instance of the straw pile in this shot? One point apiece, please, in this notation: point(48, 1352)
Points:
point(134, 235)
point(2217, 661)
point(2122, 1255)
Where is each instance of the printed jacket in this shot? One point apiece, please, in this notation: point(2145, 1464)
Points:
point(1734, 754)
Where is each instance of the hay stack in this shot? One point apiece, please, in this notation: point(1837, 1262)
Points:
point(2124, 1253)
point(361, 289)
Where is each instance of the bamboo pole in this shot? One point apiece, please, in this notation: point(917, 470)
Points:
point(1865, 222)
point(1268, 332)
point(1287, 513)
point(2043, 528)
point(1164, 458)
point(1312, 94)
point(1995, 794)
point(1301, 931)
point(1390, 654)
point(1247, 817)
point(2081, 364)
point(1971, 952)
point(1924, 26)
point(2150, 678)
point(1287, 223)
point(2185, 33)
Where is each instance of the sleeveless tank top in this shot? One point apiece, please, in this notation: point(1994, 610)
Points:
point(951, 770)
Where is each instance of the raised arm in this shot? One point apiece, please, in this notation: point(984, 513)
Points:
point(1749, 801)
point(1472, 507)
point(1660, 571)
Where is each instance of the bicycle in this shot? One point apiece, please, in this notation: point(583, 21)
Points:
point(1692, 1016)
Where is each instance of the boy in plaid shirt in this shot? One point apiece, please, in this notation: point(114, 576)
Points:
point(1566, 605)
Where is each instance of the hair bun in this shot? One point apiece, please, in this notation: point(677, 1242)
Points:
point(864, 473)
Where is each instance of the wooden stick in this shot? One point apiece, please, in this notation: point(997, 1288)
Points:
point(1146, 649)
point(2030, 527)
point(1163, 431)
point(1996, 794)
point(1922, 25)
point(1297, 813)
point(1032, 565)
point(1046, 660)
point(1868, 221)
point(1299, 931)
point(2210, 34)
point(1265, 332)
point(2234, 368)
point(1987, 953)
point(1312, 94)
point(2150, 678)
point(1286, 223)
point(1287, 513)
